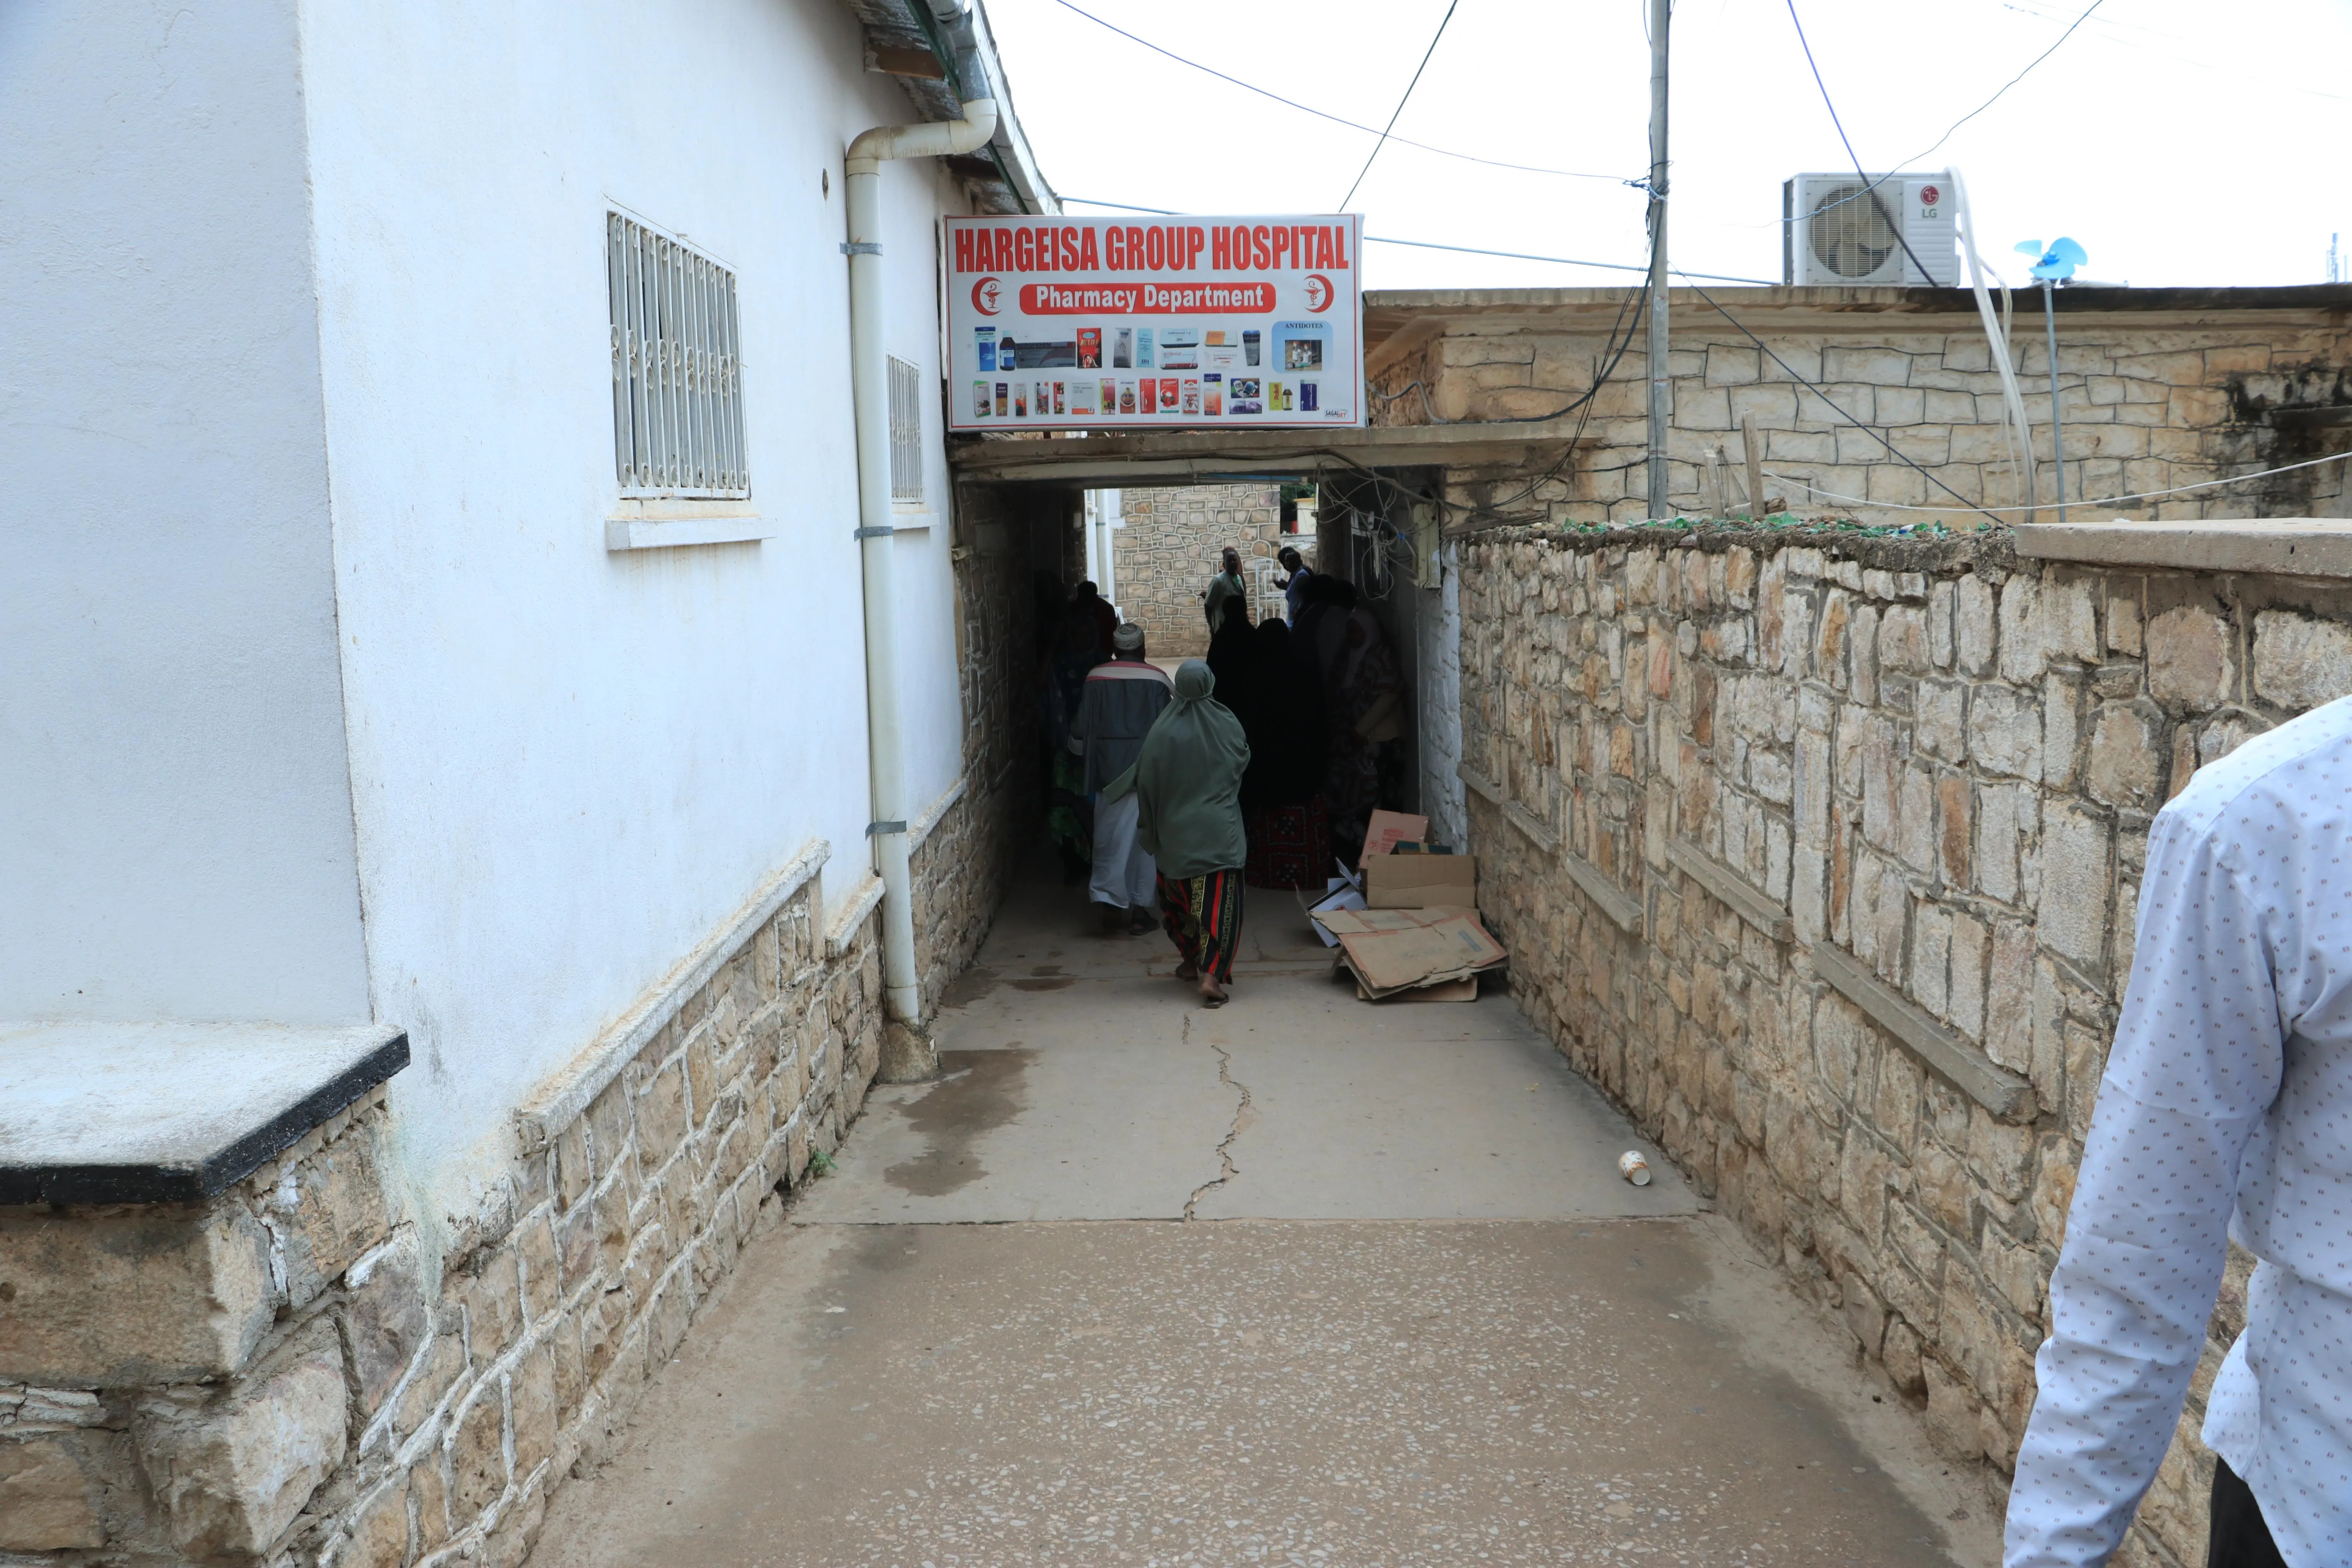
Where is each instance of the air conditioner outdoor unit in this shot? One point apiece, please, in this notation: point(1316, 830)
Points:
point(1845, 229)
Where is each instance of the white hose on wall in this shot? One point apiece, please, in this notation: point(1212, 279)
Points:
point(2016, 433)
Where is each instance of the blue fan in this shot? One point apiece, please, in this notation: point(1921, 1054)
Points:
point(2057, 263)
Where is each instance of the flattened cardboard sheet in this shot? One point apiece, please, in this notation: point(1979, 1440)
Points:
point(1360, 921)
point(1451, 948)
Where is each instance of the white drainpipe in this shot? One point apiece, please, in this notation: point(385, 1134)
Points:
point(907, 1052)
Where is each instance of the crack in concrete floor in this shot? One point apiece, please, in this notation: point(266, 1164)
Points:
point(1415, 1318)
point(1228, 1170)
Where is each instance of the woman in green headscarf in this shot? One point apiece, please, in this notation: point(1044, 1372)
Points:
point(1188, 786)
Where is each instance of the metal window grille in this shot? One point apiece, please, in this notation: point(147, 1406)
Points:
point(677, 384)
point(906, 431)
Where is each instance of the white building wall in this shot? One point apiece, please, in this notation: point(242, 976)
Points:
point(572, 765)
point(175, 823)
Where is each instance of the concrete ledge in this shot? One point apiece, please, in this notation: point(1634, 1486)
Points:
point(1943, 1051)
point(2293, 547)
point(565, 1096)
point(1518, 815)
point(1731, 890)
point(920, 828)
point(669, 532)
point(1195, 457)
point(1479, 784)
point(1623, 909)
point(148, 1113)
point(841, 930)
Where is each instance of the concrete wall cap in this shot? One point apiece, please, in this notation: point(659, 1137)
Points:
point(164, 1112)
point(566, 1095)
point(2295, 547)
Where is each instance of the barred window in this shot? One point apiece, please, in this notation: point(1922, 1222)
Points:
point(678, 387)
point(906, 432)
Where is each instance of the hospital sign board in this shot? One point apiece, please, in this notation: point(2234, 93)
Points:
point(1066, 324)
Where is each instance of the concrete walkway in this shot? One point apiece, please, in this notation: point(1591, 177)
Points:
point(1300, 1280)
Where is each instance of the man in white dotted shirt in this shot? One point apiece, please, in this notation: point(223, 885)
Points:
point(2226, 1111)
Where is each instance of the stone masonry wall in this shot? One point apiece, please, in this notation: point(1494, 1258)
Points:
point(2150, 401)
point(297, 1374)
point(1167, 550)
point(290, 1375)
point(963, 867)
point(1773, 822)
point(961, 872)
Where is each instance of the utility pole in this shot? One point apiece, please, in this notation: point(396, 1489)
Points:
point(1661, 389)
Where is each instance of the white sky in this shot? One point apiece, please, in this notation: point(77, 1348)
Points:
point(2180, 144)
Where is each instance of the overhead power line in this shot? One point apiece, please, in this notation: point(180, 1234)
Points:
point(1949, 131)
point(1427, 55)
point(2012, 82)
point(1464, 249)
point(1334, 119)
point(1566, 260)
point(2095, 500)
point(1869, 186)
point(1793, 374)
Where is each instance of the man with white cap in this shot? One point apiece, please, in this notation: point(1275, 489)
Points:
point(1115, 710)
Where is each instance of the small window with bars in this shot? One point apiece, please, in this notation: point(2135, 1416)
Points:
point(678, 377)
point(906, 434)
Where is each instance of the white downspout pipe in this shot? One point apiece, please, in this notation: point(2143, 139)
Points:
point(907, 1054)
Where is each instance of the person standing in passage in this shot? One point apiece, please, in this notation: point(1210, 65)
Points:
point(1118, 705)
point(2225, 1113)
point(1089, 598)
point(1281, 712)
point(1187, 784)
point(1294, 587)
point(1282, 793)
point(1224, 587)
point(1069, 820)
point(1363, 693)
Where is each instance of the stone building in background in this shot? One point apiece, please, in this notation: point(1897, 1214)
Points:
point(1167, 548)
point(1866, 400)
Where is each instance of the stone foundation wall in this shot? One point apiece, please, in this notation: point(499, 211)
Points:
point(289, 1374)
point(1820, 853)
point(2149, 400)
point(300, 1372)
point(1167, 550)
point(963, 869)
point(962, 862)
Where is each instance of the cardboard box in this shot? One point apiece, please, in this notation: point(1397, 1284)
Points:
point(1390, 829)
point(1420, 881)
